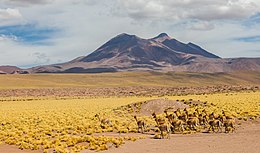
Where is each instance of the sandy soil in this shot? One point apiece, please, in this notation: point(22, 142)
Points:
point(14, 149)
point(245, 140)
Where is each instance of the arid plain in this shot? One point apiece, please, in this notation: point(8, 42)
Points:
point(175, 112)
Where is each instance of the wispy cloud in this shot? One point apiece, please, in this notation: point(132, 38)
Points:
point(201, 26)
point(41, 58)
point(252, 21)
point(248, 39)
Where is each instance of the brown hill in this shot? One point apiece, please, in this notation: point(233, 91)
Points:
point(8, 69)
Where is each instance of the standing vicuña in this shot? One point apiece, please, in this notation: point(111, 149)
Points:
point(140, 124)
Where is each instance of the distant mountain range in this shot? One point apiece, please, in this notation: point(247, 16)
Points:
point(162, 53)
point(9, 69)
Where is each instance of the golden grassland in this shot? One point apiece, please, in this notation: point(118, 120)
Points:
point(238, 104)
point(69, 125)
point(125, 79)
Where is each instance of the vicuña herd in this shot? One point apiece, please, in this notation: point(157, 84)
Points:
point(183, 121)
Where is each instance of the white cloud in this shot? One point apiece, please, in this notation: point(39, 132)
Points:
point(202, 25)
point(29, 3)
point(26, 2)
point(10, 16)
point(9, 37)
point(206, 10)
point(40, 58)
point(14, 53)
point(9, 13)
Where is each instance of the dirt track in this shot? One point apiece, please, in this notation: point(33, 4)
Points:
point(244, 140)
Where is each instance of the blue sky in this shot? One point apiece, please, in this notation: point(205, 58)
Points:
point(252, 39)
point(29, 33)
point(39, 32)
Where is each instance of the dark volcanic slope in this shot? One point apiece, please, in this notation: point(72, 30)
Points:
point(132, 49)
point(162, 53)
point(189, 48)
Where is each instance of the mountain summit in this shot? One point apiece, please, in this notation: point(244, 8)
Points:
point(162, 37)
point(127, 52)
point(132, 49)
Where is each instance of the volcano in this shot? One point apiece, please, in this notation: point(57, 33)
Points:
point(162, 53)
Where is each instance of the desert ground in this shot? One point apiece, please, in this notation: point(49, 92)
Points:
point(58, 113)
point(244, 140)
